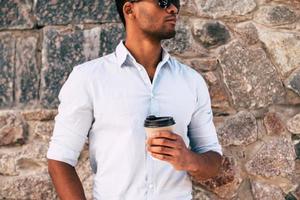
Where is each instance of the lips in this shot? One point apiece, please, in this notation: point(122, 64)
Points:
point(172, 20)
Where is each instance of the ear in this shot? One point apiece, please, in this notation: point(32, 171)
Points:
point(128, 9)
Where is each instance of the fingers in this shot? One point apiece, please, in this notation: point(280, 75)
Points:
point(166, 134)
point(162, 142)
point(162, 150)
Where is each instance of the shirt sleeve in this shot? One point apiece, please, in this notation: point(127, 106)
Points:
point(201, 130)
point(73, 121)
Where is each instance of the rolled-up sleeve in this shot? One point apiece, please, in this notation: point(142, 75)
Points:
point(201, 130)
point(74, 119)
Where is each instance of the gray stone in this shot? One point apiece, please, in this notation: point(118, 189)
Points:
point(276, 15)
point(225, 8)
point(250, 77)
point(275, 158)
point(12, 128)
point(240, 129)
point(33, 186)
point(283, 47)
point(274, 123)
point(293, 124)
point(64, 48)
point(110, 36)
point(210, 33)
point(7, 57)
point(203, 65)
point(16, 14)
point(264, 191)
point(27, 71)
point(297, 150)
point(75, 11)
point(293, 81)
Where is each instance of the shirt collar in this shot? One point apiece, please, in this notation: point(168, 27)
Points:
point(123, 54)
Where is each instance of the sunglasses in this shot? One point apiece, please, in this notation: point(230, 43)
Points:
point(164, 3)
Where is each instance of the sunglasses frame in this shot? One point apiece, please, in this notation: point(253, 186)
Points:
point(162, 3)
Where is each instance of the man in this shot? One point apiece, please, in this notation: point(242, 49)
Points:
point(107, 100)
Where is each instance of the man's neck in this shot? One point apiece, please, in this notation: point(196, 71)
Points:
point(147, 52)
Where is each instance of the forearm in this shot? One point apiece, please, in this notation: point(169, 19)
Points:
point(204, 166)
point(65, 180)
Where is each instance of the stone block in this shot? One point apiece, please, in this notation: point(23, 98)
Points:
point(264, 191)
point(8, 165)
point(75, 11)
point(16, 14)
point(12, 128)
point(7, 57)
point(240, 129)
point(210, 33)
point(275, 15)
point(250, 76)
point(275, 158)
point(293, 81)
point(293, 124)
point(248, 33)
point(42, 130)
point(27, 71)
point(274, 123)
point(224, 8)
point(32, 186)
point(39, 114)
point(283, 47)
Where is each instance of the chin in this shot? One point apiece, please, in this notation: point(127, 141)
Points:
point(168, 35)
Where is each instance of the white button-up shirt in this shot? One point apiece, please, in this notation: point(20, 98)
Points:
point(106, 101)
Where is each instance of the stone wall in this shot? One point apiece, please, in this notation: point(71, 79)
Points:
point(247, 50)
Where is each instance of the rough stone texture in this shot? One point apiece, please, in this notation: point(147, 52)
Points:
point(16, 14)
point(39, 114)
point(264, 191)
point(293, 124)
point(64, 48)
point(247, 32)
point(284, 48)
point(12, 128)
point(274, 124)
point(240, 129)
point(293, 81)
point(27, 72)
point(210, 33)
point(243, 48)
point(27, 187)
point(250, 77)
point(275, 158)
point(226, 182)
point(74, 11)
point(7, 57)
point(276, 15)
point(7, 165)
point(225, 8)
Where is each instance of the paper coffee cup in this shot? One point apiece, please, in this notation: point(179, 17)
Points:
point(154, 124)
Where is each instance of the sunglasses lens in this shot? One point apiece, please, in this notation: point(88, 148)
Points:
point(166, 3)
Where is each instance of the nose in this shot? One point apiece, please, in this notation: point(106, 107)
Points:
point(172, 9)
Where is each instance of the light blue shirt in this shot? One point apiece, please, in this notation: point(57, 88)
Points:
point(106, 101)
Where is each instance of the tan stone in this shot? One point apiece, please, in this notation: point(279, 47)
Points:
point(263, 191)
point(293, 124)
point(39, 114)
point(12, 128)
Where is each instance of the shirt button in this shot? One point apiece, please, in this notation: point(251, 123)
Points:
point(151, 186)
point(152, 95)
point(139, 68)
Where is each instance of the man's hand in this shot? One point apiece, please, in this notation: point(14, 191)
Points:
point(170, 147)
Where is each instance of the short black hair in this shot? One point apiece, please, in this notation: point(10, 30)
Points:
point(120, 4)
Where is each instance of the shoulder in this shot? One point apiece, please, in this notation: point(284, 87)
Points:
point(91, 68)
